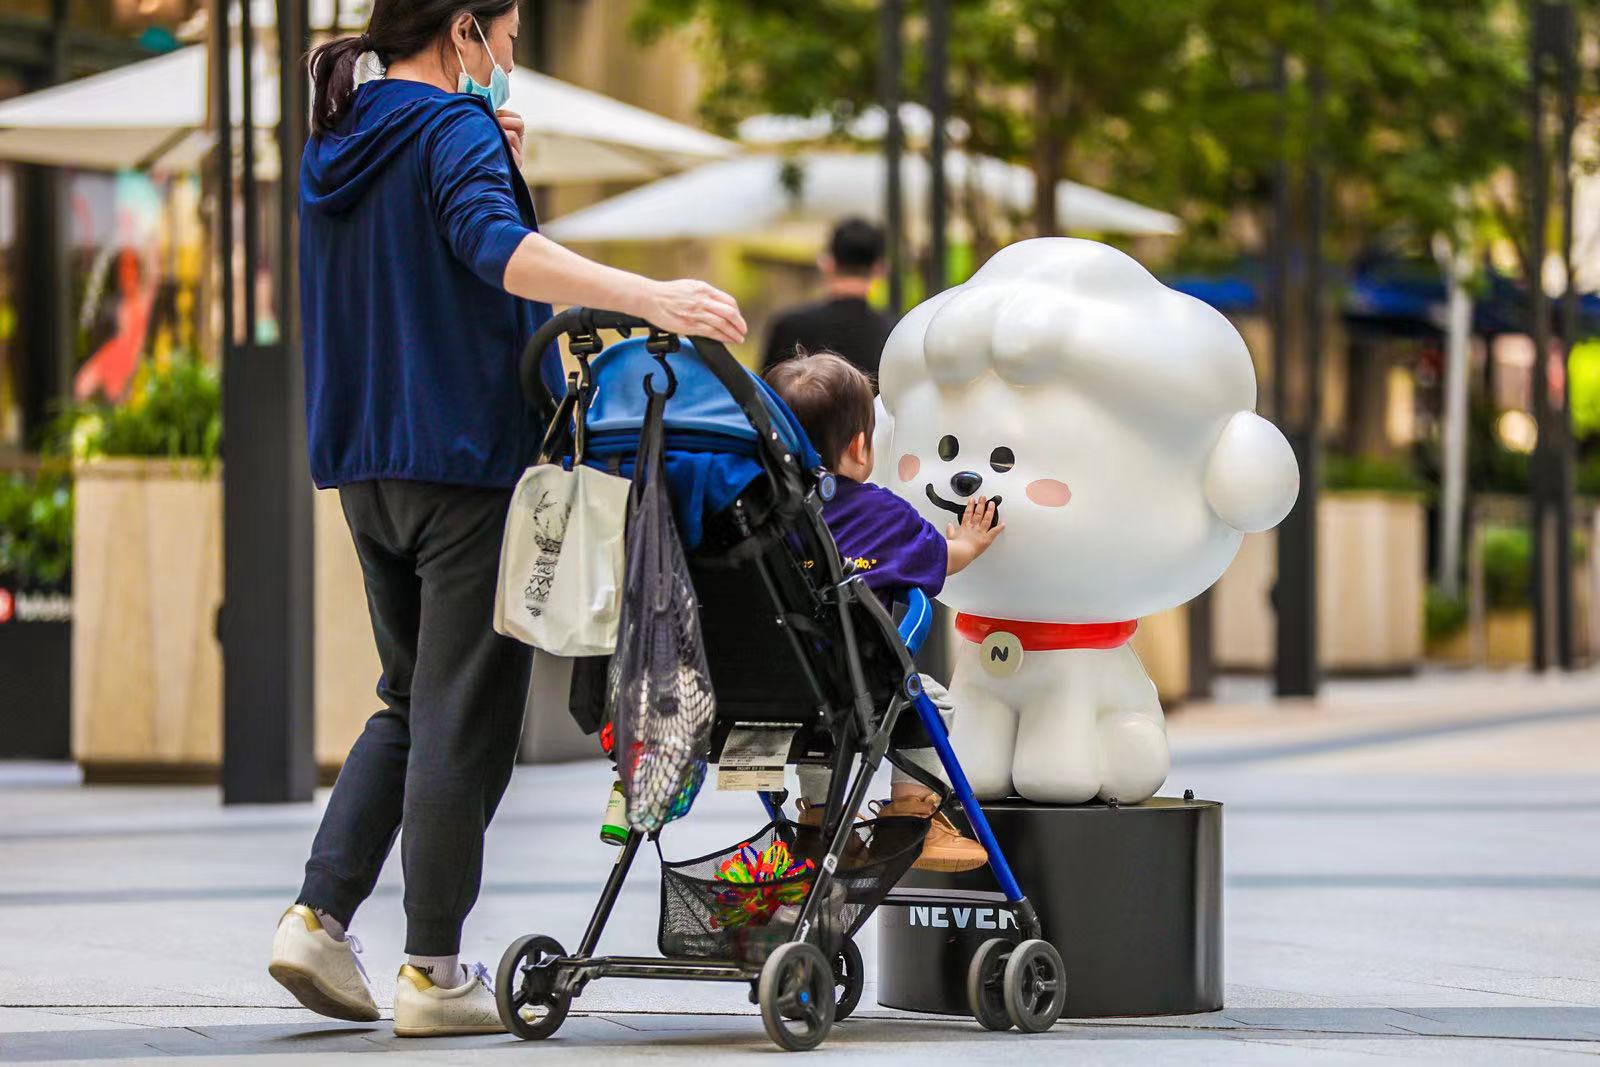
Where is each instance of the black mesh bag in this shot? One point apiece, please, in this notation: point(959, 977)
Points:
point(658, 692)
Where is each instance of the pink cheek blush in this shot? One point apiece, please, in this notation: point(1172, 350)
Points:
point(1049, 493)
point(909, 466)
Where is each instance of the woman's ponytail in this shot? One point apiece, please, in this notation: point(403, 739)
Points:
point(333, 80)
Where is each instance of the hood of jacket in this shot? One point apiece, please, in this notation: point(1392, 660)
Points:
point(385, 117)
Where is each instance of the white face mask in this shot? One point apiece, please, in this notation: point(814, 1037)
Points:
point(498, 91)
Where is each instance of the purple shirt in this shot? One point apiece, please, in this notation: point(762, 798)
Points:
point(893, 547)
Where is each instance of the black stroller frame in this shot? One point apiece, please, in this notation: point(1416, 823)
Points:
point(797, 984)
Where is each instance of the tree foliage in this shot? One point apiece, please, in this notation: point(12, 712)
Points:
point(1175, 101)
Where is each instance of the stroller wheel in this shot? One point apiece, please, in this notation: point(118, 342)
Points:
point(1035, 986)
point(523, 992)
point(986, 996)
point(849, 975)
point(796, 994)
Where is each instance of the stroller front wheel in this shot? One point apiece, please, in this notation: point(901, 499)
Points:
point(986, 994)
point(796, 996)
point(529, 1006)
point(1035, 986)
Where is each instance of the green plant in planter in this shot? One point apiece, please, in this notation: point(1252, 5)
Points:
point(1444, 616)
point(36, 530)
point(173, 411)
point(1586, 477)
point(1507, 564)
point(1388, 474)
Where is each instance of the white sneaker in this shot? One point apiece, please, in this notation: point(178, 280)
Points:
point(422, 1009)
point(323, 974)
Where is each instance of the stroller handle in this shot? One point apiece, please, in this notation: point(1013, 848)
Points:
point(574, 320)
point(582, 323)
point(918, 620)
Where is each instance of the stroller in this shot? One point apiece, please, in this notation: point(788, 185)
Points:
point(793, 642)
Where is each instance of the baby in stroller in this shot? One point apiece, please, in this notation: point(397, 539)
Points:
point(893, 549)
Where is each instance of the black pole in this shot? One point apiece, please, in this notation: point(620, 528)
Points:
point(44, 289)
point(934, 656)
point(221, 62)
point(1279, 241)
point(1539, 330)
point(889, 70)
point(938, 60)
point(267, 646)
point(1295, 594)
point(247, 176)
point(1561, 472)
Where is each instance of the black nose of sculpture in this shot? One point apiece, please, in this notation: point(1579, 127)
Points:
point(966, 483)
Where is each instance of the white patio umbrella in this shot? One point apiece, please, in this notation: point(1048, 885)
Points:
point(153, 114)
point(916, 122)
point(748, 196)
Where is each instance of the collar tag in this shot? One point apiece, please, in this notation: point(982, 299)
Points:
point(1001, 654)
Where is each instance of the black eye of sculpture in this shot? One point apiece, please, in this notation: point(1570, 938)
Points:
point(1002, 459)
point(948, 447)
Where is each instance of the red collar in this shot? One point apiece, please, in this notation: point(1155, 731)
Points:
point(1048, 636)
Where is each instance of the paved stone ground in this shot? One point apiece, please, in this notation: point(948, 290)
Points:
point(1413, 873)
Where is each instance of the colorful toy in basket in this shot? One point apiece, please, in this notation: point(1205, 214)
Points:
point(759, 883)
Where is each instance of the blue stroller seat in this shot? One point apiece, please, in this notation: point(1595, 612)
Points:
point(711, 447)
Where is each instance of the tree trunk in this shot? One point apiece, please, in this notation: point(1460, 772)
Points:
point(1048, 145)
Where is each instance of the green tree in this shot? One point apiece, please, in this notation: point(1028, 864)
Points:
point(1174, 101)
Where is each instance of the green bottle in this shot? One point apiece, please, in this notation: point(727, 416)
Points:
point(614, 827)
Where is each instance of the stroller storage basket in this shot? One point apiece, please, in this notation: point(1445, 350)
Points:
point(709, 914)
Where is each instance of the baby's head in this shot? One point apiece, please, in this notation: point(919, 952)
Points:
point(832, 398)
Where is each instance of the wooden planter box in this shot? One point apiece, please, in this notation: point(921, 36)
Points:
point(146, 663)
point(1370, 582)
point(146, 667)
point(347, 667)
point(1162, 644)
point(36, 663)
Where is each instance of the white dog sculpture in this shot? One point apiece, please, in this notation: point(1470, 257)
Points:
point(1113, 420)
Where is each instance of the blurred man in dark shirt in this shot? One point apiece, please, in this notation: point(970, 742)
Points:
point(842, 322)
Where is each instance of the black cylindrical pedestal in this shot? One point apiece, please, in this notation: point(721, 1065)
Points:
point(1132, 896)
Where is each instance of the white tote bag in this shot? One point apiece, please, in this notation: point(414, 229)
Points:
point(561, 571)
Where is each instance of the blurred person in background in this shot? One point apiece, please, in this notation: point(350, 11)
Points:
point(842, 322)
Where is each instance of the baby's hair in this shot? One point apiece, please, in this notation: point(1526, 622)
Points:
point(831, 397)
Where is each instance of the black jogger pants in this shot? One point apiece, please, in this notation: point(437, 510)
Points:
point(436, 760)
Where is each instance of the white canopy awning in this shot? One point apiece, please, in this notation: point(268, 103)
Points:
point(916, 123)
point(153, 114)
point(747, 196)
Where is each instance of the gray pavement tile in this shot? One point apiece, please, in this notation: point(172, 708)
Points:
point(40, 1020)
point(1443, 919)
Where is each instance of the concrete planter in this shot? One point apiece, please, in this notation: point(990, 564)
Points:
point(347, 666)
point(1508, 637)
point(36, 663)
point(1370, 583)
point(146, 668)
point(146, 664)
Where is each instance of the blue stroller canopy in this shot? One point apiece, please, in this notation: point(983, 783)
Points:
point(710, 445)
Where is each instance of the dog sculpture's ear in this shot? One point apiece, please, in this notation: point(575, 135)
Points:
point(1252, 478)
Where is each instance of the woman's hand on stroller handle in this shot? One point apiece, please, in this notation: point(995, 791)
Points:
point(694, 309)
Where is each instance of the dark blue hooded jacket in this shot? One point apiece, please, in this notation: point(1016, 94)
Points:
point(408, 214)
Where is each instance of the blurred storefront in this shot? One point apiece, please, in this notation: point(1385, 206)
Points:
point(96, 269)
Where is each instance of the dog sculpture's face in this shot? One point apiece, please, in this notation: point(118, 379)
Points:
point(1111, 417)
